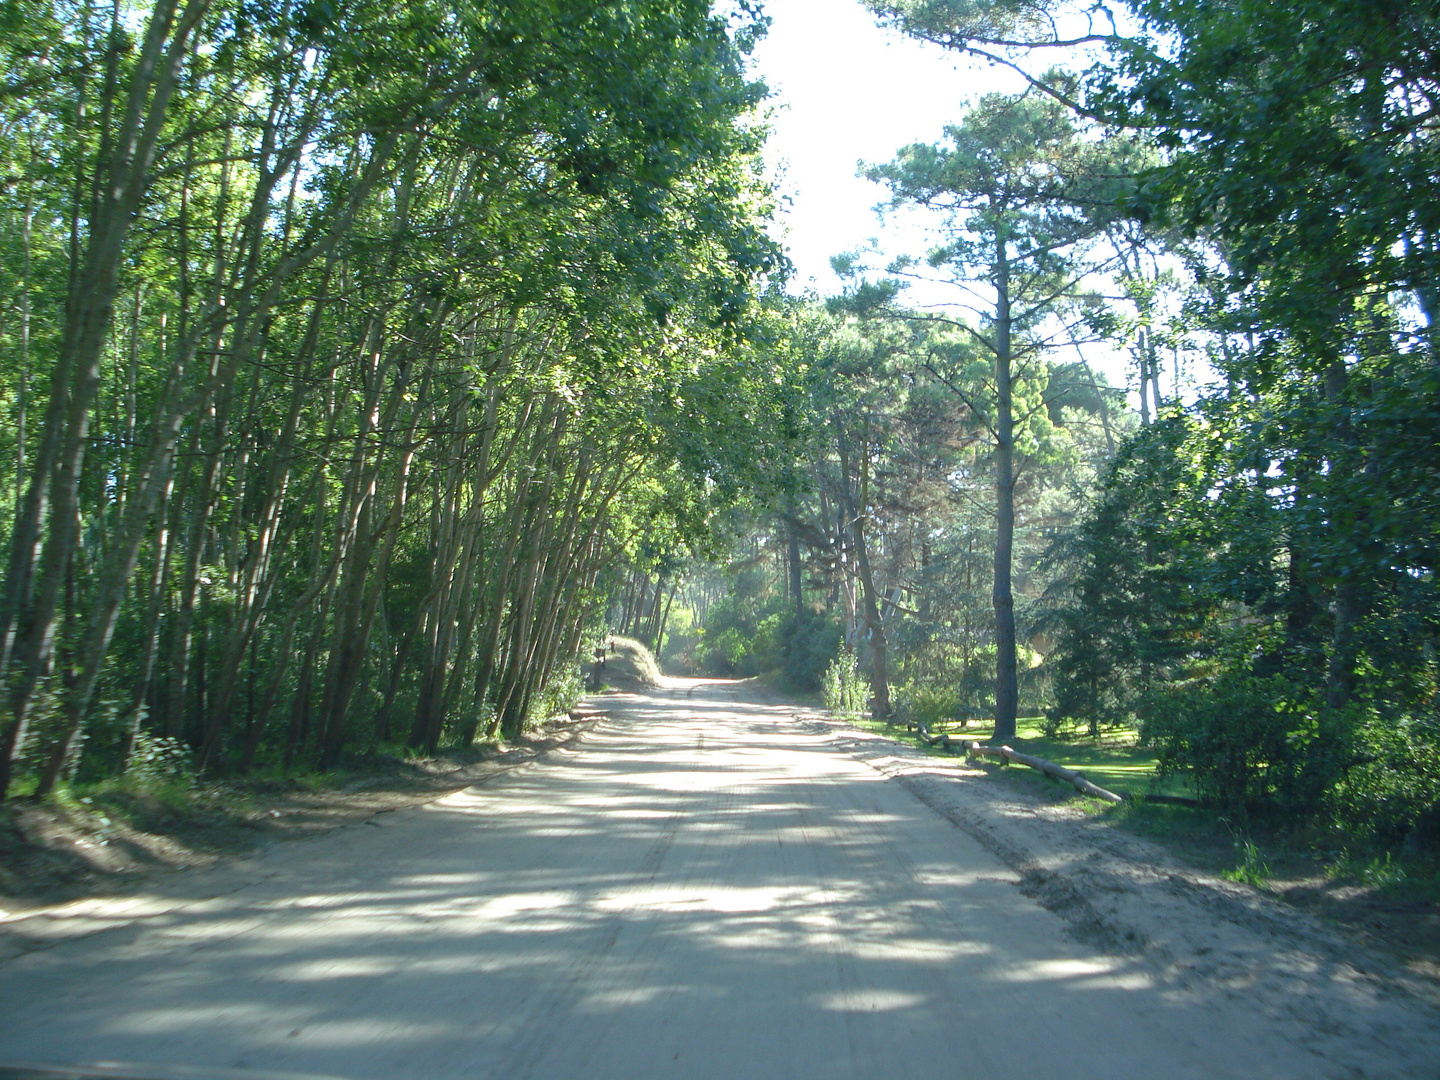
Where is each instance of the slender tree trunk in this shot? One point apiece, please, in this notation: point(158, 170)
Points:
point(870, 606)
point(47, 524)
point(665, 621)
point(1007, 697)
point(792, 548)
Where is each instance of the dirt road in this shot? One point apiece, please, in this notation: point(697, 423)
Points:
point(701, 888)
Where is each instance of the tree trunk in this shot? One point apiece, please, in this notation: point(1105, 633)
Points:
point(1007, 695)
point(870, 605)
point(792, 552)
point(47, 522)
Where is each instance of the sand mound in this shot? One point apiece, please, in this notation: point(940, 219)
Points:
point(629, 665)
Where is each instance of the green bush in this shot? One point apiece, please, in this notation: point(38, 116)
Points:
point(561, 693)
point(842, 689)
point(810, 647)
point(159, 760)
point(725, 653)
point(1245, 740)
point(1392, 789)
point(919, 703)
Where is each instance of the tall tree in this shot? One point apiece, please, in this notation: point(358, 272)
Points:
point(1024, 197)
point(363, 336)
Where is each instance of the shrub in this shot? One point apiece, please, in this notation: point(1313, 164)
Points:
point(842, 689)
point(561, 693)
point(158, 760)
point(918, 703)
point(1245, 739)
point(810, 648)
point(1392, 789)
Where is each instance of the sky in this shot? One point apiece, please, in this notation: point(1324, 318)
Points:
point(846, 90)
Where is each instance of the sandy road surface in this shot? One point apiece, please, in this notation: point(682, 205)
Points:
point(702, 888)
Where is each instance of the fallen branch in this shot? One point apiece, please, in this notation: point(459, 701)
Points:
point(1049, 768)
point(943, 740)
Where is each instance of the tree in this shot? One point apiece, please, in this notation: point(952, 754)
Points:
point(1024, 197)
point(363, 337)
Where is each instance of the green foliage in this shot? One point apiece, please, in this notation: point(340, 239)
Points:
point(741, 631)
point(562, 692)
point(1250, 867)
point(809, 649)
point(1138, 606)
point(1292, 132)
point(357, 358)
point(1256, 582)
point(919, 703)
point(1384, 872)
point(1247, 740)
point(1391, 791)
point(1207, 588)
point(843, 690)
point(160, 759)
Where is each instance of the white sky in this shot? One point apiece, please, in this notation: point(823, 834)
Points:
point(844, 91)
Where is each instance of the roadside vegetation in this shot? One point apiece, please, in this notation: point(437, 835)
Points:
point(348, 358)
point(364, 368)
point(1217, 580)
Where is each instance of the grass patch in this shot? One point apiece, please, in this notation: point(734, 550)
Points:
point(1115, 760)
point(1403, 879)
point(1250, 866)
point(156, 805)
point(1388, 895)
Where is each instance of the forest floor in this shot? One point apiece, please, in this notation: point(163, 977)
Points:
point(1380, 903)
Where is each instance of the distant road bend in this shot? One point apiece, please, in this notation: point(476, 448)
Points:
point(702, 887)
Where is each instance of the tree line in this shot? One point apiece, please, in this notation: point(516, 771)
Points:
point(1239, 198)
point(348, 351)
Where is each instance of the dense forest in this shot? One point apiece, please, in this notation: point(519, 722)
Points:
point(1235, 558)
point(345, 346)
point(363, 365)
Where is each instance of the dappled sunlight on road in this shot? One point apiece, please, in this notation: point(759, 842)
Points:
point(701, 889)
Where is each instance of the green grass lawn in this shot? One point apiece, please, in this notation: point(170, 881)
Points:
point(1115, 761)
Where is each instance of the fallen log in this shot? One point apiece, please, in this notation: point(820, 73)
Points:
point(1049, 768)
point(943, 740)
